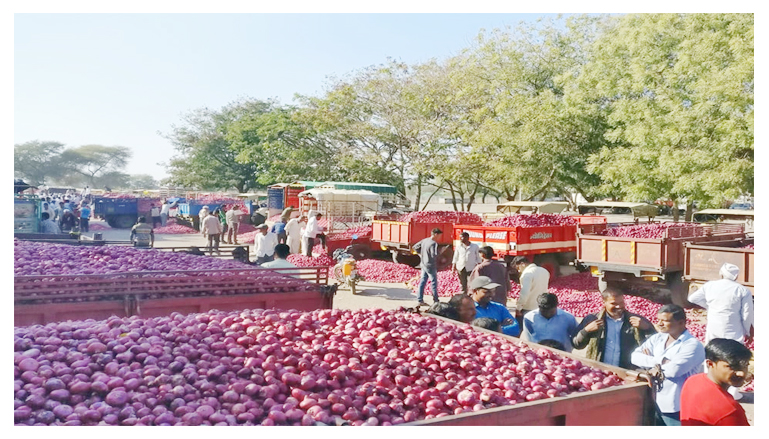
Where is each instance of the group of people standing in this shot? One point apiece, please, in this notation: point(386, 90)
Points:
point(298, 233)
point(220, 225)
point(64, 213)
point(698, 383)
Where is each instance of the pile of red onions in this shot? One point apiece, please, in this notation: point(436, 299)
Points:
point(533, 220)
point(267, 367)
point(360, 231)
point(385, 272)
point(322, 260)
point(750, 246)
point(144, 205)
point(98, 227)
point(172, 228)
point(442, 216)
point(40, 258)
point(654, 230)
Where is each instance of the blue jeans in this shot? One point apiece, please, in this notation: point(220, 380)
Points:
point(432, 273)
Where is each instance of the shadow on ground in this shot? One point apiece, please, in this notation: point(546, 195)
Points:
point(366, 289)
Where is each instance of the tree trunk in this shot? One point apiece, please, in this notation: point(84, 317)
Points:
point(430, 198)
point(419, 192)
point(472, 198)
point(461, 194)
point(689, 210)
point(453, 195)
point(675, 210)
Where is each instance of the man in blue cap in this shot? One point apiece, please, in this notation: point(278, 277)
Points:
point(482, 289)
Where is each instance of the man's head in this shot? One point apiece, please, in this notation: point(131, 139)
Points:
point(303, 219)
point(727, 362)
point(141, 219)
point(520, 263)
point(729, 271)
point(671, 319)
point(262, 229)
point(437, 232)
point(236, 207)
point(465, 238)
point(613, 302)
point(547, 304)
point(44, 216)
point(482, 290)
point(444, 309)
point(487, 323)
point(464, 306)
point(486, 252)
point(318, 215)
point(282, 251)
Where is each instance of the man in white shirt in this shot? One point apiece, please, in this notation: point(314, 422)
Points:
point(164, 213)
point(264, 245)
point(534, 281)
point(311, 232)
point(294, 233)
point(212, 228)
point(281, 253)
point(155, 214)
point(675, 352)
point(233, 219)
point(465, 259)
point(730, 309)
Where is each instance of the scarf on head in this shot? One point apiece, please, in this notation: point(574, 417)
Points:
point(592, 352)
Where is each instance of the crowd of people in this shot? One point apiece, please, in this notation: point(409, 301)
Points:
point(696, 384)
point(65, 212)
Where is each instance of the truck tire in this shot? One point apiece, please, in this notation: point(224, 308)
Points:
point(549, 262)
point(124, 221)
point(257, 219)
point(406, 259)
point(360, 252)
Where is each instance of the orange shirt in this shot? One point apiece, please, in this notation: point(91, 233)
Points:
point(704, 402)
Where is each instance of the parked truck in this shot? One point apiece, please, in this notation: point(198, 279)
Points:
point(702, 263)
point(120, 213)
point(399, 239)
point(651, 268)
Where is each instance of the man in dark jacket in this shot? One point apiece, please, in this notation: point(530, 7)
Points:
point(494, 270)
point(612, 334)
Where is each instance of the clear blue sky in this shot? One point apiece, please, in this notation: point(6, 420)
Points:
point(119, 79)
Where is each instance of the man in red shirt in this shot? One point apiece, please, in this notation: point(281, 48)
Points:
point(704, 397)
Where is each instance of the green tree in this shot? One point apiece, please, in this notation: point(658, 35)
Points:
point(142, 181)
point(37, 162)
point(206, 159)
point(677, 92)
point(88, 163)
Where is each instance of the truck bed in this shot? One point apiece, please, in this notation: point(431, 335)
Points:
point(702, 262)
point(639, 255)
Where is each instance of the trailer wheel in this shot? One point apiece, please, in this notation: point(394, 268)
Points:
point(679, 291)
point(360, 252)
point(124, 221)
point(406, 259)
point(549, 262)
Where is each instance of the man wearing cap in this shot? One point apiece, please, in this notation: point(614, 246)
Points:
point(428, 255)
point(730, 309)
point(264, 245)
point(482, 289)
point(494, 270)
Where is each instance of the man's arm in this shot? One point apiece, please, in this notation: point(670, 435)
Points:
point(698, 298)
point(747, 310)
point(525, 290)
point(581, 336)
point(689, 357)
point(642, 355)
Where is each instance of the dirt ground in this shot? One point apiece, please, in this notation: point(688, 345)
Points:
point(370, 295)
